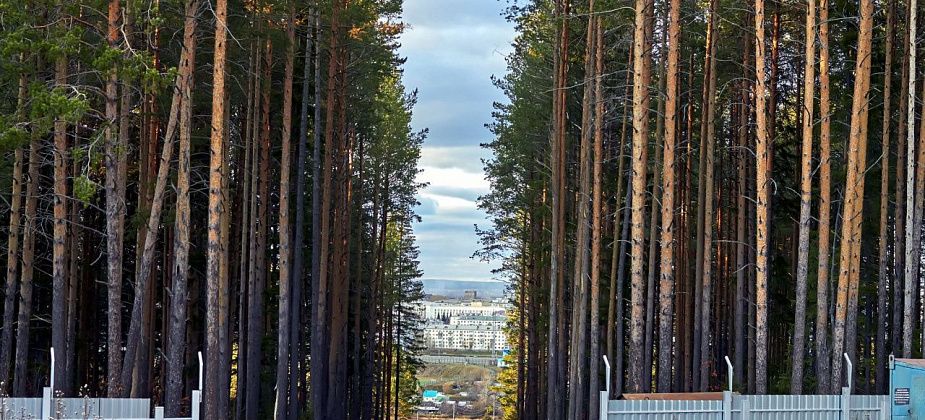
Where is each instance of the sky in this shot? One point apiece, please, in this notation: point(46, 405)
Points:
point(453, 48)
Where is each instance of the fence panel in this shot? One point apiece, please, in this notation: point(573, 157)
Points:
point(664, 410)
point(787, 407)
point(754, 407)
point(15, 408)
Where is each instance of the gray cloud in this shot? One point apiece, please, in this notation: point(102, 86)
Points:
point(453, 49)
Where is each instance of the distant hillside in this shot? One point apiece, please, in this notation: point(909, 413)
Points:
point(455, 288)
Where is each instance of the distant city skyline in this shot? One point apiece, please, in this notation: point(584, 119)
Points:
point(453, 48)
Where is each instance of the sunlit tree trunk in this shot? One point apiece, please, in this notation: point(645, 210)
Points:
point(216, 402)
point(641, 79)
point(849, 275)
point(762, 197)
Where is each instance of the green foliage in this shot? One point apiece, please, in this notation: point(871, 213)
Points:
point(84, 188)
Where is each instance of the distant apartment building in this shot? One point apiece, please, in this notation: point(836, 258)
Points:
point(444, 310)
point(466, 334)
point(494, 320)
point(470, 295)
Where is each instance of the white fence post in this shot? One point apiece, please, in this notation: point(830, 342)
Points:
point(605, 402)
point(196, 402)
point(46, 402)
point(158, 413)
point(845, 403)
point(746, 413)
point(727, 404)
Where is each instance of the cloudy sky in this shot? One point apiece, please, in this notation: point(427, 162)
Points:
point(453, 48)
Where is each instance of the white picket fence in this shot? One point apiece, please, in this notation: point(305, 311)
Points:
point(49, 407)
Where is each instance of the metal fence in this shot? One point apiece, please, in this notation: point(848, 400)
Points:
point(754, 407)
point(750, 407)
point(57, 408)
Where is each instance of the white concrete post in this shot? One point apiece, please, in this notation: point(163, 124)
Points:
point(196, 403)
point(845, 403)
point(727, 404)
point(46, 403)
point(158, 413)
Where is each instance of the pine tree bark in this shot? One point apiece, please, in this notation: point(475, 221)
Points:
point(849, 275)
point(883, 252)
point(762, 197)
point(115, 216)
point(295, 326)
point(910, 273)
point(285, 275)
point(597, 218)
point(176, 337)
point(555, 409)
point(12, 253)
point(215, 401)
point(806, 190)
point(641, 79)
point(579, 337)
point(28, 268)
point(825, 206)
point(667, 279)
point(899, 218)
point(706, 202)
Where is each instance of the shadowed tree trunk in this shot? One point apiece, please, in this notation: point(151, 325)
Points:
point(806, 190)
point(12, 255)
point(176, 337)
point(666, 282)
point(555, 409)
point(285, 280)
point(825, 205)
point(883, 252)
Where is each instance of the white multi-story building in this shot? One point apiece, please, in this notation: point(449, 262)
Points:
point(447, 310)
point(494, 320)
point(484, 336)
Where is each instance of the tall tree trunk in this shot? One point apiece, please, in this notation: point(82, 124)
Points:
point(910, 269)
point(115, 216)
point(806, 190)
point(705, 204)
point(883, 252)
point(555, 409)
point(762, 197)
point(28, 268)
point(216, 402)
point(295, 325)
point(641, 79)
point(579, 337)
point(899, 219)
point(667, 279)
point(176, 337)
point(285, 280)
point(146, 264)
point(613, 302)
point(12, 250)
point(849, 275)
point(596, 219)
point(825, 205)
point(320, 328)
